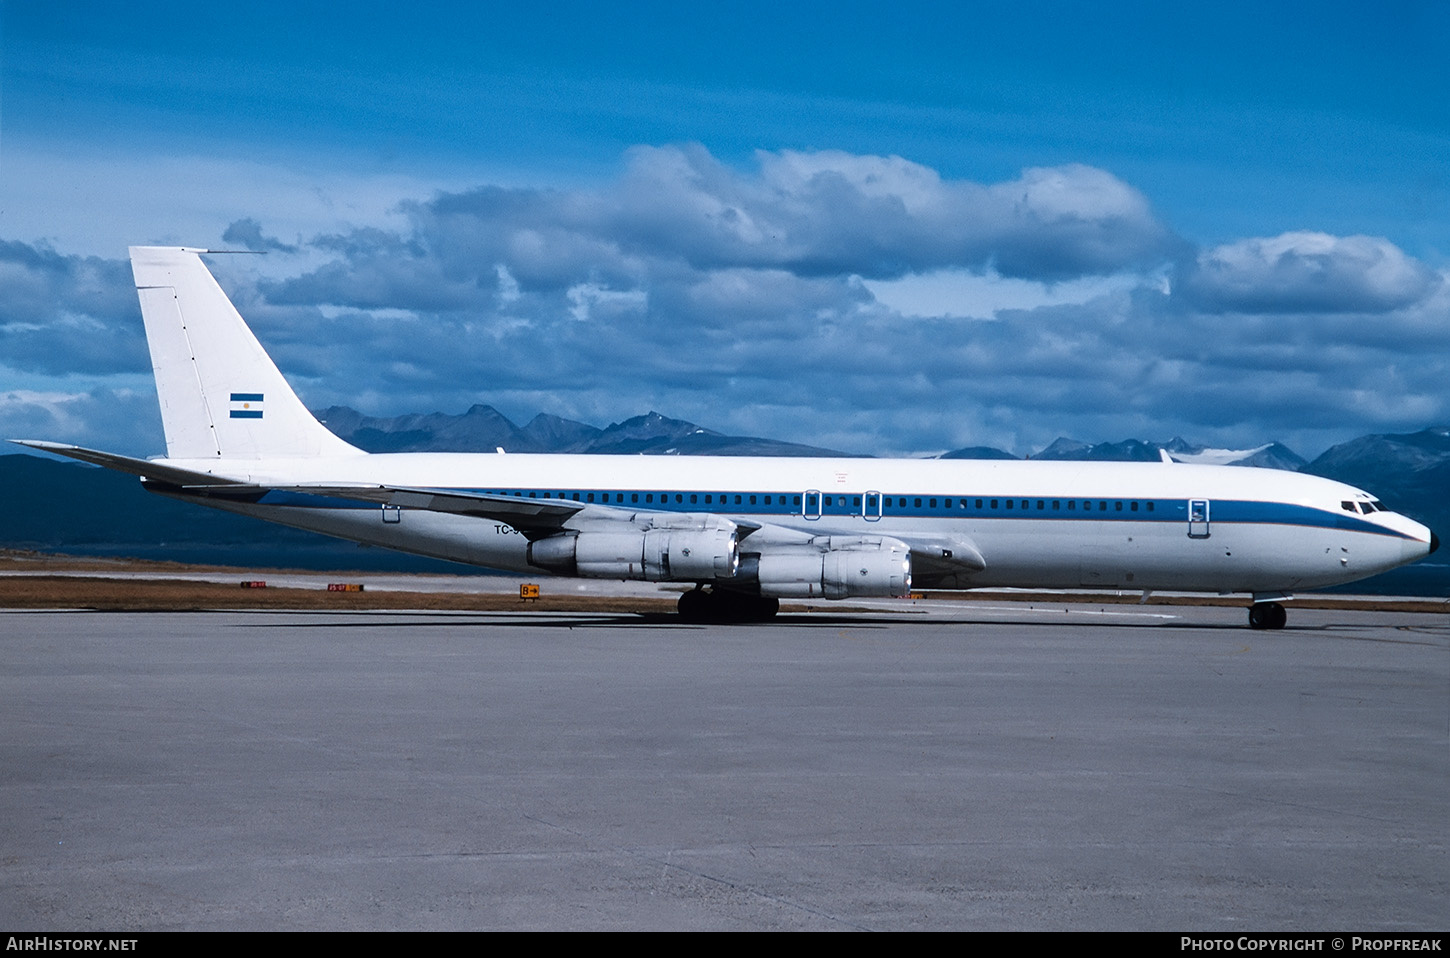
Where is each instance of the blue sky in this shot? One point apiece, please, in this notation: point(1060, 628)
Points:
point(895, 229)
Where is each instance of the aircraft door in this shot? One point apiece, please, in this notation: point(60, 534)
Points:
point(871, 506)
point(811, 504)
point(1198, 519)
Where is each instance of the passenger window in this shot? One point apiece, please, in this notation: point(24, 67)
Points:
point(931, 503)
point(917, 503)
point(737, 500)
point(979, 503)
point(752, 500)
point(634, 497)
point(1134, 506)
point(650, 497)
point(1117, 507)
point(694, 499)
point(1009, 503)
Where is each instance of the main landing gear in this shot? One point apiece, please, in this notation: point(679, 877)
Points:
point(722, 605)
point(1267, 615)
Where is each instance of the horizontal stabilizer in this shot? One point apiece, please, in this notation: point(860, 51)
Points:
point(144, 468)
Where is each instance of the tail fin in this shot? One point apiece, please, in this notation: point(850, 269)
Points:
point(221, 394)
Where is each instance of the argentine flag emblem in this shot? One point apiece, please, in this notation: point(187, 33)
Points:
point(246, 405)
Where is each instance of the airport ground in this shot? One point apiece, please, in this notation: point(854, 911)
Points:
point(931, 765)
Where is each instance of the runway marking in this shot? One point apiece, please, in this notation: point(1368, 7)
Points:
point(1032, 610)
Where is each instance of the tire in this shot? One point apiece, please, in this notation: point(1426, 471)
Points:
point(1267, 615)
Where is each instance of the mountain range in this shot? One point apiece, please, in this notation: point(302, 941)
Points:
point(485, 429)
point(70, 507)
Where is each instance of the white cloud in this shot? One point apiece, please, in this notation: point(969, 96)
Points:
point(1303, 271)
point(586, 299)
point(968, 294)
point(817, 297)
point(919, 189)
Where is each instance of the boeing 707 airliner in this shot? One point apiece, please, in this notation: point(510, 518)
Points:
point(744, 532)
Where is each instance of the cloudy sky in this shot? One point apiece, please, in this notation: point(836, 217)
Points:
point(887, 228)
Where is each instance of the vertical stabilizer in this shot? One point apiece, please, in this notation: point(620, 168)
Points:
point(221, 395)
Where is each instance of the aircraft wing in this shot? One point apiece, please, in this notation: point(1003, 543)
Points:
point(541, 516)
point(535, 518)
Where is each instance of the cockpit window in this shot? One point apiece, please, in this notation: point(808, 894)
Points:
point(1347, 505)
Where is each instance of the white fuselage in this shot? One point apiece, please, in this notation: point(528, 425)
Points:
point(1140, 526)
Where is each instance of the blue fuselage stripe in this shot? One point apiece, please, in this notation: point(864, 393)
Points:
point(789, 506)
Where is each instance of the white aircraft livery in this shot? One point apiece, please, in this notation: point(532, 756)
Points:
point(746, 532)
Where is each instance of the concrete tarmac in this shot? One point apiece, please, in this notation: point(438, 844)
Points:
point(961, 766)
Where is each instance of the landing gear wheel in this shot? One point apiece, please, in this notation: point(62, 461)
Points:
point(696, 606)
point(720, 605)
point(1267, 615)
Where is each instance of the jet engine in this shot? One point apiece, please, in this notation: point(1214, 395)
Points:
point(654, 555)
point(835, 567)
